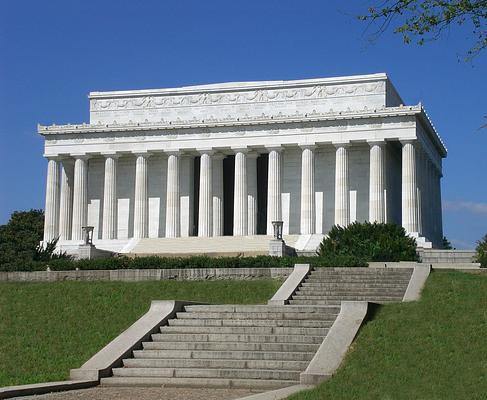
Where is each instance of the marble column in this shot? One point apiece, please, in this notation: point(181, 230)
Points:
point(218, 194)
point(308, 190)
point(205, 214)
point(342, 188)
point(409, 188)
point(274, 205)
point(110, 198)
point(172, 198)
point(377, 180)
point(440, 210)
point(51, 216)
point(240, 207)
point(252, 193)
point(66, 201)
point(80, 197)
point(428, 201)
point(141, 202)
point(419, 189)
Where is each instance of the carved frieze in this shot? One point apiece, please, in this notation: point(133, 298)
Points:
point(240, 97)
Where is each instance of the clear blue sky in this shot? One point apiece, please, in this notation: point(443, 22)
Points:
point(52, 53)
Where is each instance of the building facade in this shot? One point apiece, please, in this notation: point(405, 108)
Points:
point(228, 159)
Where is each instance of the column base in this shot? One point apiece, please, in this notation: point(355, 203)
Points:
point(421, 241)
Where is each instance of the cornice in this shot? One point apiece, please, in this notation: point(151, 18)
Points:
point(263, 119)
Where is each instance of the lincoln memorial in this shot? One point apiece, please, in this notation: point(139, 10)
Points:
point(227, 159)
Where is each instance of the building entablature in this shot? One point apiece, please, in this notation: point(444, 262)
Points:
point(391, 123)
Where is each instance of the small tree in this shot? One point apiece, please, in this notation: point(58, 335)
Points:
point(482, 251)
point(446, 244)
point(370, 241)
point(20, 237)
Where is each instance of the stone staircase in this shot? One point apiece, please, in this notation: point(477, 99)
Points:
point(254, 346)
point(329, 286)
point(212, 246)
point(259, 347)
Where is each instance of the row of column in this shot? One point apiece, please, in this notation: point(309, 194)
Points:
point(67, 213)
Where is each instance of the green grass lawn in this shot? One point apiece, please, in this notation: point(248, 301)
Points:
point(48, 328)
point(432, 349)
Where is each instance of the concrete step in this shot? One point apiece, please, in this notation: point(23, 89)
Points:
point(228, 354)
point(379, 272)
point(361, 271)
point(198, 382)
point(352, 285)
point(224, 337)
point(366, 280)
point(254, 322)
point(290, 365)
point(347, 292)
point(234, 346)
point(336, 302)
point(225, 373)
point(402, 273)
point(255, 309)
point(325, 315)
point(257, 330)
point(351, 297)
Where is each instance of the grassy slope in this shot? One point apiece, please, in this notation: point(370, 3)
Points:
point(48, 328)
point(432, 349)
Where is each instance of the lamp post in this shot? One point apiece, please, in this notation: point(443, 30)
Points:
point(87, 235)
point(277, 225)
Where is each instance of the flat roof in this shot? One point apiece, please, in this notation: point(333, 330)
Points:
point(229, 86)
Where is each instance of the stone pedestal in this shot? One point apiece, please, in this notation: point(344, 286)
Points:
point(277, 248)
point(90, 252)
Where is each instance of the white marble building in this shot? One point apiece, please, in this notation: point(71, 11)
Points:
point(229, 158)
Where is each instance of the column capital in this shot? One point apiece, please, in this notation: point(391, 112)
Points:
point(81, 156)
point(344, 144)
point(143, 153)
point(413, 141)
point(210, 151)
point(240, 149)
point(113, 154)
point(276, 147)
point(53, 158)
point(173, 152)
point(376, 142)
point(309, 146)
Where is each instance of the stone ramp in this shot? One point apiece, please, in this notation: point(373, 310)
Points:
point(330, 286)
point(212, 246)
point(258, 347)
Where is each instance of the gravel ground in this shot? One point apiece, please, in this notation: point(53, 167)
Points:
point(144, 393)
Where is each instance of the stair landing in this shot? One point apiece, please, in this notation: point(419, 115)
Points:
point(210, 246)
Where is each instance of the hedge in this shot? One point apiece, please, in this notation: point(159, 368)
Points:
point(155, 262)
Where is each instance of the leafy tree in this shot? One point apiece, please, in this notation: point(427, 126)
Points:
point(482, 251)
point(426, 20)
point(20, 237)
point(372, 242)
point(446, 244)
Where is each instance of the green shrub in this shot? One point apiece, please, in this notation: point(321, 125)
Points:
point(482, 251)
point(370, 241)
point(48, 252)
point(155, 262)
